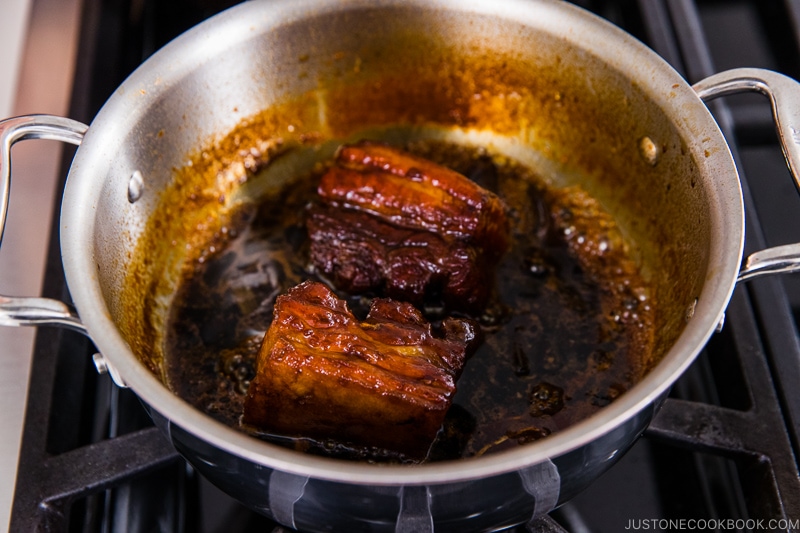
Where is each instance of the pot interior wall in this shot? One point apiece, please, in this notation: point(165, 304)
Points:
point(534, 85)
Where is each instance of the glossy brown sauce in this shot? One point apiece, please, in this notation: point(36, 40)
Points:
point(565, 333)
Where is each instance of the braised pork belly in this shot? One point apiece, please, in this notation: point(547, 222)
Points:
point(397, 224)
point(386, 382)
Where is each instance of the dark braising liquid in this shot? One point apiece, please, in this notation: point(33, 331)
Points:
point(563, 336)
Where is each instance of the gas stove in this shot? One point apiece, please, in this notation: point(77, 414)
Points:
point(721, 453)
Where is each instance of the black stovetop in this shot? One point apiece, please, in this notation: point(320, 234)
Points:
point(722, 448)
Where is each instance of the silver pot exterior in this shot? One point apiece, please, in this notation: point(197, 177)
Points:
point(490, 503)
point(203, 84)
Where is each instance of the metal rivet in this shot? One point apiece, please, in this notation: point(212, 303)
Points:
point(690, 310)
point(100, 363)
point(103, 367)
point(721, 323)
point(649, 150)
point(135, 186)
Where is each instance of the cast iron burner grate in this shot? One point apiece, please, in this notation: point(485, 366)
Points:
point(723, 447)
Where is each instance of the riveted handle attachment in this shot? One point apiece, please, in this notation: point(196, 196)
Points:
point(784, 96)
point(26, 311)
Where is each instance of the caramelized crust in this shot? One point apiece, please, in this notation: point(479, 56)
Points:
point(385, 383)
point(406, 225)
point(413, 192)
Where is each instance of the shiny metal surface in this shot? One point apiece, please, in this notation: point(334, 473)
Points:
point(778, 260)
point(200, 86)
point(785, 101)
point(782, 93)
point(13, 130)
point(491, 503)
point(163, 96)
point(29, 311)
point(48, 31)
point(32, 311)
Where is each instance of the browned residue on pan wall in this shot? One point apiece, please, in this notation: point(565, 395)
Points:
point(559, 104)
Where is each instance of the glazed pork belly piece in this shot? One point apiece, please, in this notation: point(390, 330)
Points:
point(390, 221)
point(362, 253)
point(386, 382)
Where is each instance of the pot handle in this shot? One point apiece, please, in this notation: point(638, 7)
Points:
point(26, 311)
point(784, 96)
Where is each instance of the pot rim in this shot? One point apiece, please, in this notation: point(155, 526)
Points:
point(667, 88)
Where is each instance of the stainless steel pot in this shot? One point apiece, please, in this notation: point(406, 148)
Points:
point(542, 81)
